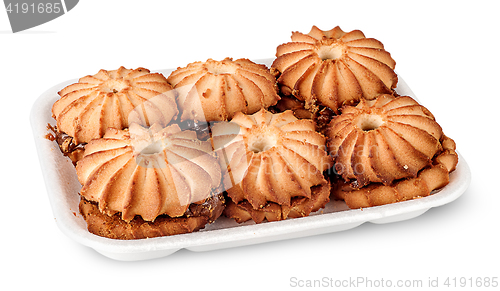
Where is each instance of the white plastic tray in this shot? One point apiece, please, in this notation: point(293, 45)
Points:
point(63, 187)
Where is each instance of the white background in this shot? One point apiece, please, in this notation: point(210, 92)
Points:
point(447, 52)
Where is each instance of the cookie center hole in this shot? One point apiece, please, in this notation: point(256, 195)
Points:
point(218, 68)
point(370, 122)
point(330, 52)
point(153, 148)
point(262, 143)
point(114, 86)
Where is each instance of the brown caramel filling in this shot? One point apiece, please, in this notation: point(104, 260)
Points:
point(66, 145)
